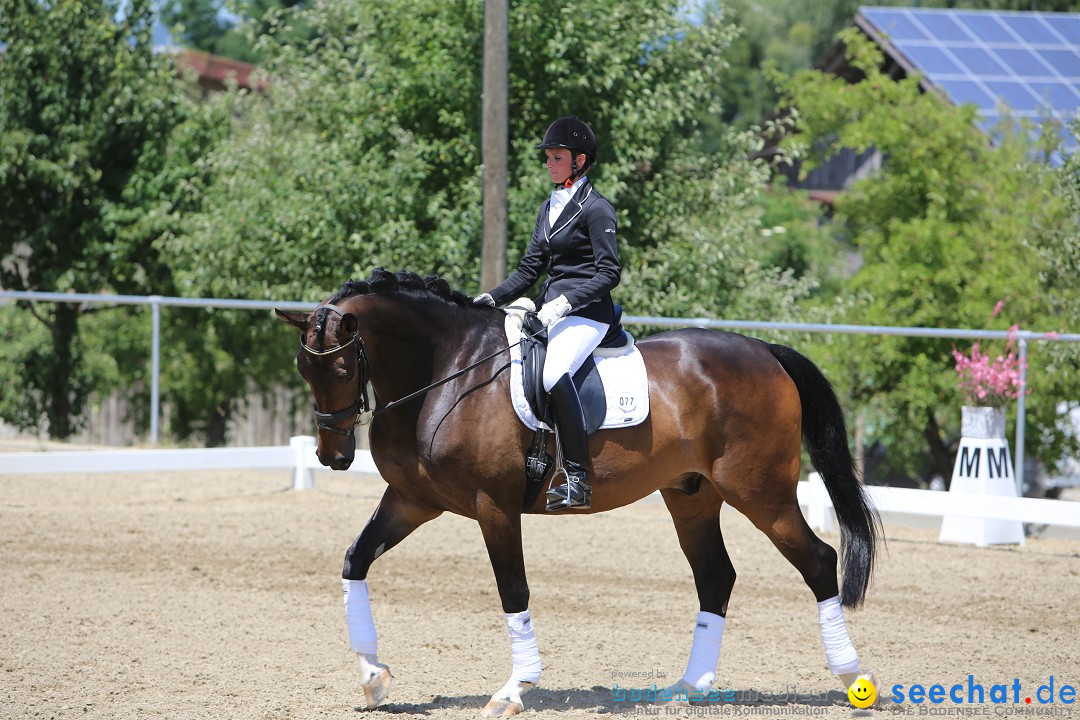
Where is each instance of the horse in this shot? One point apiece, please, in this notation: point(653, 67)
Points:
point(728, 416)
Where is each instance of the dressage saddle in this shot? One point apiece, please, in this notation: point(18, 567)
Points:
point(590, 389)
point(587, 379)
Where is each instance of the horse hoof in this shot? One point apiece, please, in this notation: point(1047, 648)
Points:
point(377, 687)
point(501, 708)
point(678, 694)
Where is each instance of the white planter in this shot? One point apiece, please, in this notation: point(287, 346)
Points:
point(983, 467)
point(982, 423)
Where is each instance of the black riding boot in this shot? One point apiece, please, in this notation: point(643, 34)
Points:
point(570, 424)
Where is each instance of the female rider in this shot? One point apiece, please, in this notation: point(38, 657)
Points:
point(574, 242)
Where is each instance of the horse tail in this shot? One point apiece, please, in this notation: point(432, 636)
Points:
point(825, 435)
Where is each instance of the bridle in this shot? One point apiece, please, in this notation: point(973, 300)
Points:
point(361, 411)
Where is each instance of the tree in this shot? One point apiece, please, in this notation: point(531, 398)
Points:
point(365, 150)
point(952, 225)
point(84, 105)
point(227, 28)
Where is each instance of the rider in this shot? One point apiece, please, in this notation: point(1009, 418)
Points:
point(574, 241)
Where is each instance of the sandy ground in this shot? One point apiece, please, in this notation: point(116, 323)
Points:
point(216, 595)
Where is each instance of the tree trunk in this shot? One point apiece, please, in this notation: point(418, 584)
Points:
point(64, 331)
point(216, 429)
point(940, 454)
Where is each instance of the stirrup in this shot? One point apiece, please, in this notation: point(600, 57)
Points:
point(575, 494)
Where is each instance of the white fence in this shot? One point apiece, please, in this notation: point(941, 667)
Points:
point(299, 457)
point(934, 503)
point(156, 302)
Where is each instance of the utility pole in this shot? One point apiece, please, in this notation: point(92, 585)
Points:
point(494, 132)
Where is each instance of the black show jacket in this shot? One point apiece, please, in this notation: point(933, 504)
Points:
point(579, 253)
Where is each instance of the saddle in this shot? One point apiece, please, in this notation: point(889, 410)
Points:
point(587, 380)
point(590, 389)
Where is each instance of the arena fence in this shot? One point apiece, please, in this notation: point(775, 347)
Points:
point(156, 302)
point(299, 457)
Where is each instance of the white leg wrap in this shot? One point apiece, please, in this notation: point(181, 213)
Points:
point(839, 650)
point(523, 647)
point(705, 652)
point(362, 636)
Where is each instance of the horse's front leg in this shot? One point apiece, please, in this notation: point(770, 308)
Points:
point(392, 521)
point(502, 535)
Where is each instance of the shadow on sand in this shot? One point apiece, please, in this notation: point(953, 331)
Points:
point(602, 700)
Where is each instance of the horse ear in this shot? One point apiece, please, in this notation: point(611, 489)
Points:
point(299, 320)
point(349, 324)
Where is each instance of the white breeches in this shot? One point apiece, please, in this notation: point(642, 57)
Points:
point(570, 343)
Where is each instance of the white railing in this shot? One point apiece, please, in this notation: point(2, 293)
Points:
point(157, 301)
point(299, 457)
point(819, 509)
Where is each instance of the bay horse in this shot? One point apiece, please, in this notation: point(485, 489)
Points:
point(728, 415)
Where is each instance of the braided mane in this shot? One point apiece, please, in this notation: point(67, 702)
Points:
point(403, 282)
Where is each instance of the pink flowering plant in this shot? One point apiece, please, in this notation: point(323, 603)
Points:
point(987, 380)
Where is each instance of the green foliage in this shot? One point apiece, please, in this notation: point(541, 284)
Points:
point(366, 151)
point(227, 28)
point(949, 227)
point(774, 35)
point(83, 103)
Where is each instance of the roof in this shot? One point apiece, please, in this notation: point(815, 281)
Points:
point(1025, 63)
point(216, 72)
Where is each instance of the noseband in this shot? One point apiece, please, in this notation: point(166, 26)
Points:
point(359, 411)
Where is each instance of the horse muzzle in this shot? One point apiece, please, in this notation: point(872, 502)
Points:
point(337, 457)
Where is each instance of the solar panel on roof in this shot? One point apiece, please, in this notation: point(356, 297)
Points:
point(1065, 62)
point(940, 27)
point(1069, 28)
point(933, 59)
point(1032, 29)
point(1023, 63)
point(1026, 61)
point(986, 28)
point(896, 26)
point(977, 60)
point(1056, 95)
point(963, 92)
point(1013, 94)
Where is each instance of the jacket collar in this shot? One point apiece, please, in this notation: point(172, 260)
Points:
point(572, 209)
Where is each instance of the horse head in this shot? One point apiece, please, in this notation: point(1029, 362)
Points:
point(333, 361)
point(393, 330)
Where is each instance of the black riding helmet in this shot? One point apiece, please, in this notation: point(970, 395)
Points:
point(573, 134)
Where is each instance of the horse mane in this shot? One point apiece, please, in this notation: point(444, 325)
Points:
point(404, 282)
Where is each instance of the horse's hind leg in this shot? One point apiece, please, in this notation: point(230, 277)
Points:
point(394, 519)
point(780, 518)
point(697, 523)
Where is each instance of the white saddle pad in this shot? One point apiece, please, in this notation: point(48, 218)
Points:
point(626, 382)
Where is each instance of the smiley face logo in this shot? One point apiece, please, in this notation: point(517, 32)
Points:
point(862, 693)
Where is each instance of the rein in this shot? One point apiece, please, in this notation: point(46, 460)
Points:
point(360, 410)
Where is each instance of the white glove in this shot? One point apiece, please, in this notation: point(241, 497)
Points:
point(484, 299)
point(553, 311)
